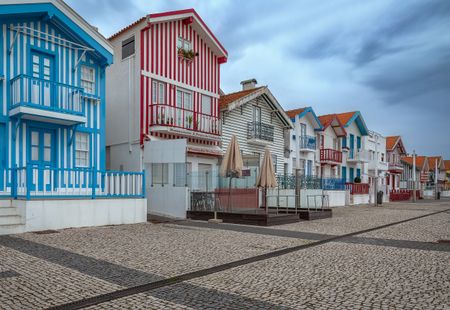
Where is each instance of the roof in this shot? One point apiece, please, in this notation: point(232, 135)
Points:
point(225, 100)
point(63, 14)
point(333, 121)
point(432, 162)
point(421, 161)
point(391, 141)
point(132, 25)
point(237, 99)
point(295, 112)
point(447, 164)
point(301, 112)
point(347, 118)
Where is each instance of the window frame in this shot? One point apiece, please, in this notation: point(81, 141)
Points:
point(210, 105)
point(86, 151)
point(84, 80)
point(183, 44)
point(156, 92)
point(125, 43)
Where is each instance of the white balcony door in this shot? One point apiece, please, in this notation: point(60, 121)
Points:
point(42, 73)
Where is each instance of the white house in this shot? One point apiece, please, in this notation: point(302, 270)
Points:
point(303, 142)
point(395, 150)
point(258, 121)
point(378, 166)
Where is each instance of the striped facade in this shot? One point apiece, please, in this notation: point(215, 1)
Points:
point(47, 42)
point(160, 62)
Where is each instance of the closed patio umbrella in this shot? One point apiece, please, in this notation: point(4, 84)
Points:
point(232, 163)
point(266, 178)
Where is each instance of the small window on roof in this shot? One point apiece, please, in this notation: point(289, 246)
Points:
point(127, 47)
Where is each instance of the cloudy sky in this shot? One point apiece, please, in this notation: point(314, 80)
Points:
point(389, 59)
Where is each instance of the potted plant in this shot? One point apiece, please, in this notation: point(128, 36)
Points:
point(357, 180)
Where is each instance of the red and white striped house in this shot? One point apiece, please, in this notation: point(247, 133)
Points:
point(164, 85)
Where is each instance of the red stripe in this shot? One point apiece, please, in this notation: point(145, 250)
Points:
point(166, 74)
point(142, 112)
point(148, 104)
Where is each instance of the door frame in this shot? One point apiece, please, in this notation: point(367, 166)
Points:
point(3, 160)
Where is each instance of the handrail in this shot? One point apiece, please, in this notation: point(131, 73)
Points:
point(44, 80)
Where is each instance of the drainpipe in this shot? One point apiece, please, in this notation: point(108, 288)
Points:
point(414, 175)
point(130, 100)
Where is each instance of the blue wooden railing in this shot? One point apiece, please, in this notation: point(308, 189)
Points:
point(46, 182)
point(47, 95)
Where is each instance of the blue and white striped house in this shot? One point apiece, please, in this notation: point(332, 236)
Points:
point(52, 109)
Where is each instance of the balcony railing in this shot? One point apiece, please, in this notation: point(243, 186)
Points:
point(260, 131)
point(307, 143)
point(45, 182)
point(395, 166)
point(357, 188)
point(47, 95)
point(333, 184)
point(330, 155)
point(165, 115)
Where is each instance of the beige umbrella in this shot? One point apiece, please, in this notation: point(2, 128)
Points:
point(232, 163)
point(266, 178)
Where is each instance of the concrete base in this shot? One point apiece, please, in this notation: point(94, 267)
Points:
point(38, 215)
point(215, 221)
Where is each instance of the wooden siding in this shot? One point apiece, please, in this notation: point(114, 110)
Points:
point(235, 122)
point(19, 62)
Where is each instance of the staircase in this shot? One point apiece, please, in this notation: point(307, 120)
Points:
point(10, 219)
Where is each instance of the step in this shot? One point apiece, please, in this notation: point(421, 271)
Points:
point(10, 220)
point(9, 211)
point(5, 203)
point(12, 229)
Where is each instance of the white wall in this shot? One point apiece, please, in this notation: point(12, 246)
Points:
point(336, 198)
point(287, 198)
point(353, 129)
point(168, 201)
point(59, 214)
point(327, 170)
point(294, 144)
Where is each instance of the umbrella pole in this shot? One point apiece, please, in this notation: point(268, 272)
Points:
point(229, 194)
point(265, 200)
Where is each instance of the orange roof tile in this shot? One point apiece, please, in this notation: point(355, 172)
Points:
point(420, 160)
point(295, 112)
point(225, 100)
point(345, 117)
point(391, 142)
point(432, 161)
point(126, 28)
point(327, 120)
point(447, 164)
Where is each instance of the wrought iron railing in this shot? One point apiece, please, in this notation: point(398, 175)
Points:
point(261, 131)
point(47, 95)
point(307, 142)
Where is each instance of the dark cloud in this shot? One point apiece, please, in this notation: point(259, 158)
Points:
point(389, 59)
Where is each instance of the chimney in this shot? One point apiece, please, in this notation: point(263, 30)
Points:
point(249, 84)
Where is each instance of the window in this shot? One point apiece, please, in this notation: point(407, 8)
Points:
point(256, 114)
point(160, 174)
point(88, 79)
point(206, 105)
point(127, 47)
point(274, 162)
point(82, 149)
point(382, 157)
point(302, 129)
point(184, 44)
point(179, 175)
point(184, 99)
point(158, 92)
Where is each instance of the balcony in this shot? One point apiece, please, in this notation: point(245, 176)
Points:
point(357, 188)
point(330, 156)
point(165, 118)
point(259, 133)
point(307, 143)
point(358, 156)
point(395, 167)
point(46, 101)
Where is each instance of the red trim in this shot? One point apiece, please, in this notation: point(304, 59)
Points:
point(188, 21)
point(192, 11)
point(222, 60)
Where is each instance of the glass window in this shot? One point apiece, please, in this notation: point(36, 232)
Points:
point(206, 105)
point(127, 47)
point(184, 44)
point(82, 149)
point(160, 173)
point(88, 79)
point(256, 114)
point(179, 175)
point(158, 92)
point(184, 99)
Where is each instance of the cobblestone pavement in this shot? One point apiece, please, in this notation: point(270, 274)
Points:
point(400, 266)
